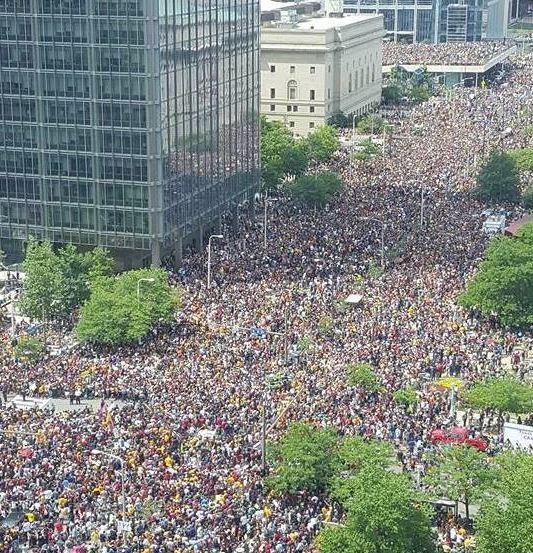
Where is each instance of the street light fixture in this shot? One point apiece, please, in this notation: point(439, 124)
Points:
point(219, 236)
point(99, 452)
point(265, 217)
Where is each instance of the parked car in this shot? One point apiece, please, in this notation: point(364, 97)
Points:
point(455, 436)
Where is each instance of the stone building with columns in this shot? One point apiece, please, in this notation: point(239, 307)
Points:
point(316, 66)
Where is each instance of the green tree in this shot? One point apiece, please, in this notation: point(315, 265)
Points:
point(315, 189)
point(58, 282)
point(406, 396)
point(294, 160)
point(391, 94)
point(523, 157)
point(28, 349)
point(125, 308)
point(527, 198)
point(505, 395)
point(352, 455)
point(504, 281)
point(364, 376)
point(370, 123)
point(281, 153)
point(322, 143)
point(302, 459)
point(505, 521)
point(460, 473)
point(275, 139)
point(367, 150)
point(418, 94)
point(98, 263)
point(498, 180)
point(384, 515)
point(42, 289)
point(339, 120)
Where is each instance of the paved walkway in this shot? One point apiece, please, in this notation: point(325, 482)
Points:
point(57, 404)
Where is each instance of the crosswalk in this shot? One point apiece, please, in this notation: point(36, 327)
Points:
point(28, 403)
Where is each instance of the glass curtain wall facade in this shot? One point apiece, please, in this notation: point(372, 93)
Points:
point(125, 123)
point(437, 20)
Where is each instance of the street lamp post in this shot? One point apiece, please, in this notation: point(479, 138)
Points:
point(139, 286)
point(265, 217)
point(99, 452)
point(263, 399)
point(209, 257)
point(383, 228)
point(422, 205)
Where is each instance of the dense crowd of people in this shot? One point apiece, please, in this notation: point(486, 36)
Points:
point(181, 414)
point(444, 53)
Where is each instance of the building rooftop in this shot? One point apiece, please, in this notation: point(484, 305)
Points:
point(324, 23)
point(271, 5)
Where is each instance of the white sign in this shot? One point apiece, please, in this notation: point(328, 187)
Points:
point(519, 435)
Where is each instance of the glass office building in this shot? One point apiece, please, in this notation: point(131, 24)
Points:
point(437, 20)
point(131, 124)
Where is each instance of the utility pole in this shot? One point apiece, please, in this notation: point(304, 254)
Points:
point(422, 201)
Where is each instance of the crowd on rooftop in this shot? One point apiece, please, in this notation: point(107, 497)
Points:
point(183, 410)
point(445, 53)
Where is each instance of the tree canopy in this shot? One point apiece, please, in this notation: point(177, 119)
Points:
point(302, 459)
point(322, 143)
point(318, 459)
point(460, 473)
point(364, 376)
point(125, 308)
point(383, 515)
point(498, 180)
point(368, 149)
point(504, 281)
point(505, 521)
point(371, 123)
point(315, 189)
point(28, 349)
point(406, 396)
point(57, 282)
point(283, 155)
point(392, 93)
point(523, 158)
point(505, 395)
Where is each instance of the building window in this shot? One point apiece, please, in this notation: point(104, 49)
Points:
point(272, 107)
point(313, 69)
point(289, 108)
point(312, 95)
point(272, 93)
point(293, 69)
point(350, 83)
point(311, 125)
point(272, 68)
point(294, 108)
point(312, 109)
point(291, 124)
point(329, 93)
point(292, 90)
